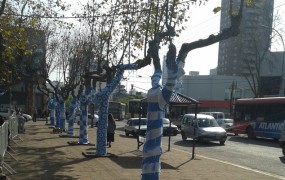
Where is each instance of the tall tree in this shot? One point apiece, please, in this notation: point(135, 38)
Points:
point(159, 96)
point(20, 20)
point(123, 31)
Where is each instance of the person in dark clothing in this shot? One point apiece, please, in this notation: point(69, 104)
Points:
point(35, 112)
point(111, 129)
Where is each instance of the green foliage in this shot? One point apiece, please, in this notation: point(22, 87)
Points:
point(21, 18)
point(68, 101)
point(126, 99)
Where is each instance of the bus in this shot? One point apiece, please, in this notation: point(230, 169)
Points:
point(137, 107)
point(262, 117)
point(117, 109)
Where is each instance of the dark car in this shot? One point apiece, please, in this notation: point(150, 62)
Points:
point(169, 129)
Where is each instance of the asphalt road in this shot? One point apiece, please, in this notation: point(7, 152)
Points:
point(257, 154)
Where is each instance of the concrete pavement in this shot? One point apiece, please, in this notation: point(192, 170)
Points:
point(43, 155)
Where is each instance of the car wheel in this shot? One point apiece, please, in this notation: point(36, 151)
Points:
point(222, 142)
point(134, 134)
point(127, 134)
point(250, 133)
point(283, 150)
point(184, 137)
point(77, 122)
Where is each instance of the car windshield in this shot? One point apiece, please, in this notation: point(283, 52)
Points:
point(136, 122)
point(207, 123)
point(228, 121)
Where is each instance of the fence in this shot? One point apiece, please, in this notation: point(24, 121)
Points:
point(4, 130)
point(12, 127)
point(3, 140)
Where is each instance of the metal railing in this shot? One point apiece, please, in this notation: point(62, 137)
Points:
point(4, 139)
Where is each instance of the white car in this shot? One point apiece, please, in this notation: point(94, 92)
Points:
point(95, 120)
point(27, 117)
point(202, 128)
point(132, 127)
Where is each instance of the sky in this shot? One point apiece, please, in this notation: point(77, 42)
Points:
point(203, 22)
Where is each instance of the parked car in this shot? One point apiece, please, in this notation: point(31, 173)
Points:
point(202, 128)
point(169, 130)
point(6, 113)
point(132, 127)
point(282, 139)
point(95, 120)
point(9, 112)
point(227, 124)
point(27, 117)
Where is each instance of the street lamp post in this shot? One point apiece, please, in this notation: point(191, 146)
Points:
point(281, 90)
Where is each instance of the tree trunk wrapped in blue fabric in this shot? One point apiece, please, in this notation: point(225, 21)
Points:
point(158, 97)
point(72, 107)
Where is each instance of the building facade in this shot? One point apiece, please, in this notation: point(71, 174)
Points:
point(237, 55)
point(216, 92)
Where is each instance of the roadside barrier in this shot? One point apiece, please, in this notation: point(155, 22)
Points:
point(4, 130)
point(13, 126)
point(3, 139)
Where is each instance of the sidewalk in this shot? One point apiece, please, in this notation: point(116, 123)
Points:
point(45, 156)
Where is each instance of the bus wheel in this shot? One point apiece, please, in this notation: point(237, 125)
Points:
point(283, 150)
point(250, 133)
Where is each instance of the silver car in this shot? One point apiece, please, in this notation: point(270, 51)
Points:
point(95, 120)
point(227, 124)
point(202, 128)
point(136, 126)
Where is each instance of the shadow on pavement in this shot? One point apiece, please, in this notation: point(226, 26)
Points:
point(135, 162)
point(256, 141)
point(282, 159)
point(189, 143)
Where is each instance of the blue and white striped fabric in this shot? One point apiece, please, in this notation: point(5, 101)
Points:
point(103, 99)
point(158, 97)
point(52, 105)
point(73, 105)
point(57, 116)
point(83, 134)
point(62, 114)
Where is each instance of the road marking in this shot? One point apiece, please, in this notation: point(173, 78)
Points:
point(236, 165)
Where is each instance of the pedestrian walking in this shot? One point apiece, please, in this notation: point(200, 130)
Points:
point(35, 112)
point(111, 130)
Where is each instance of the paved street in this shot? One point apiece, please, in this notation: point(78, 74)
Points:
point(44, 155)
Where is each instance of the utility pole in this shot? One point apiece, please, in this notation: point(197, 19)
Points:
point(232, 97)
